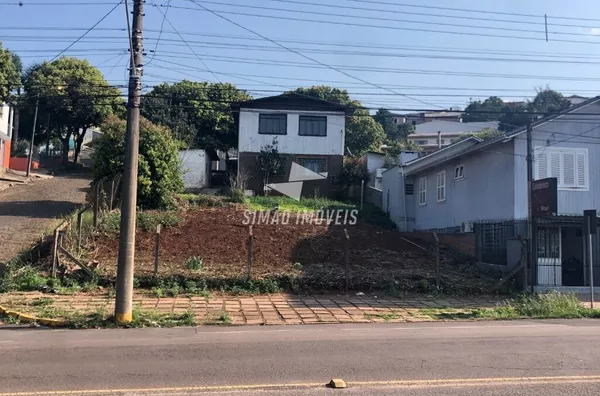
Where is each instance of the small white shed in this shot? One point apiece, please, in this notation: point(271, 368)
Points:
point(195, 166)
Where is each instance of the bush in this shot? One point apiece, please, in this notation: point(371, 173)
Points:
point(194, 263)
point(159, 176)
point(145, 221)
point(237, 196)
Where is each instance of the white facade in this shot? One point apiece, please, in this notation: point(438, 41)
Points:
point(251, 141)
point(195, 166)
point(5, 121)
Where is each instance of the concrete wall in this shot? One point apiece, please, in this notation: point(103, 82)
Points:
point(195, 168)
point(484, 193)
point(251, 141)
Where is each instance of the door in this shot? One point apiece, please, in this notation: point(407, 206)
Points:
point(549, 265)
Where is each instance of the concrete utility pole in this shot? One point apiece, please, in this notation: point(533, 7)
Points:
point(30, 156)
point(530, 252)
point(124, 297)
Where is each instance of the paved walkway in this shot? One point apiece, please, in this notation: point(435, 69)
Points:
point(29, 210)
point(264, 309)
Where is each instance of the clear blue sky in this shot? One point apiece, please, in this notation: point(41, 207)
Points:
point(106, 48)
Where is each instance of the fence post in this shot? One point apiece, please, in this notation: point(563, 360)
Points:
point(55, 253)
point(362, 193)
point(96, 204)
point(250, 239)
point(79, 230)
point(437, 260)
point(112, 194)
point(157, 250)
point(347, 261)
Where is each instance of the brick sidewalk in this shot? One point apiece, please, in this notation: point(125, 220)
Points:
point(268, 309)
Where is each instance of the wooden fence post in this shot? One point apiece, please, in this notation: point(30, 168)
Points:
point(347, 261)
point(250, 240)
point(157, 250)
point(79, 230)
point(96, 204)
point(112, 194)
point(437, 261)
point(55, 253)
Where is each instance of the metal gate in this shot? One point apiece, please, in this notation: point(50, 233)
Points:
point(549, 252)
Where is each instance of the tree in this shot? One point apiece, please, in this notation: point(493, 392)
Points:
point(197, 113)
point(353, 172)
point(363, 133)
point(9, 74)
point(159, 176)
point(484, 134)
point(476, 111)
point(74, 97)
point(269, 161)
point(393, 132)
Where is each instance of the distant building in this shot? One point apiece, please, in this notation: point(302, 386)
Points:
point(420, 118)
point(6, 126)
point(431, 136)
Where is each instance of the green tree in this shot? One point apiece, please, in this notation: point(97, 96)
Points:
point(9, 74)
point(73, 96)
point(159, 176)
point(269, 161)
point(477, 111)
point(363, 133)
point(197, 113)
point(393, 132)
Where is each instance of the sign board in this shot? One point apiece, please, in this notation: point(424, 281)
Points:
point(544, 197)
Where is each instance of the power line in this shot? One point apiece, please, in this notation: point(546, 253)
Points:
point(281, 17)
point(162, 25)
point(87, 31)
point(396, 20)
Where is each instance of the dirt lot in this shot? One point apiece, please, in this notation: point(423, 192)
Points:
point(378, 258)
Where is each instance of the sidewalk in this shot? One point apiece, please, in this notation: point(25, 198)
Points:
point(28, 210)
point(274, 309)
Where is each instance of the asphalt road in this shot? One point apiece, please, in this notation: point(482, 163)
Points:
point(492, 358)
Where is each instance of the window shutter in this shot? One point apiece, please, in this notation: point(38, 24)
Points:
point(568, 169)
point(554, 166)
point(542, 165)
point(581, 176)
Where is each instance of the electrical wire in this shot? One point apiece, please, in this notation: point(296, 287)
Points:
point(88, 31)
point(162, 25)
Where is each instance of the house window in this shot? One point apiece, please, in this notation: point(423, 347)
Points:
point(272, 124)
point(441, 186)
point(568, 165)
point(312, 126)
point(409, 189)
point(459, 172)
point(423, 191)
point(317, 165)
point(422, 142)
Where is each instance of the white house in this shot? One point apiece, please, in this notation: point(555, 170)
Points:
point(6, 126)
point(306, 131)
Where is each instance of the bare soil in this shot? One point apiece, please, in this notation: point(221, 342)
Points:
point(378, 258)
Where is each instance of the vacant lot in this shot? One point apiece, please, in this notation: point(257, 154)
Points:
point(314, 255)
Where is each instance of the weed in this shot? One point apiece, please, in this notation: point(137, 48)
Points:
point(194, 263)
point(222, 318)
point(202, 200)
point(146, 221)
point(297, 267)
point(41, 301)
point(385, 316)
point(157, 292)
point(174, 290)
point(423, 286)
point(111, 292)
point(237, 195)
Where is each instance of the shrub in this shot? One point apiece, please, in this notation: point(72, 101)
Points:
point(194, 263)
point(159, 176)
point(237, 196)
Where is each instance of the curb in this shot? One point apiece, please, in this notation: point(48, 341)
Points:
point(25, 318)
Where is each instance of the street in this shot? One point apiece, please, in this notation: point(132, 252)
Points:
point(492, 358)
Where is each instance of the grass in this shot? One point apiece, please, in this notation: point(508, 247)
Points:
point(385, 316)
point(146, 221)
point(221, 318)
point(202, 200)
point(194, 263)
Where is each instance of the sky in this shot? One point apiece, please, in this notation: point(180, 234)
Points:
point(399, 54)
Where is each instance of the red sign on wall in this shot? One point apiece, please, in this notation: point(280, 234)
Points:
point(544, 197)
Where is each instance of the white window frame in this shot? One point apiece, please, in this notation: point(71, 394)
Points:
point(423, 191)
point(441, 186)
point(561, 151)
point(459, 172)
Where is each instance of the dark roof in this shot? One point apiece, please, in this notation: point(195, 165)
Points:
point(291, 101)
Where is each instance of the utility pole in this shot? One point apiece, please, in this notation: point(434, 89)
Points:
point(124, 295)
point(530, 252)
point(30, 156)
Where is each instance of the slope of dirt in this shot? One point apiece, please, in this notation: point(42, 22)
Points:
point(378, 258)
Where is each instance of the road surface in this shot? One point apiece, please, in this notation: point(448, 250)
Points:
point(491, 358)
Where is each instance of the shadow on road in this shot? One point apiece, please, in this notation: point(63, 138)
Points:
point(44, 209)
